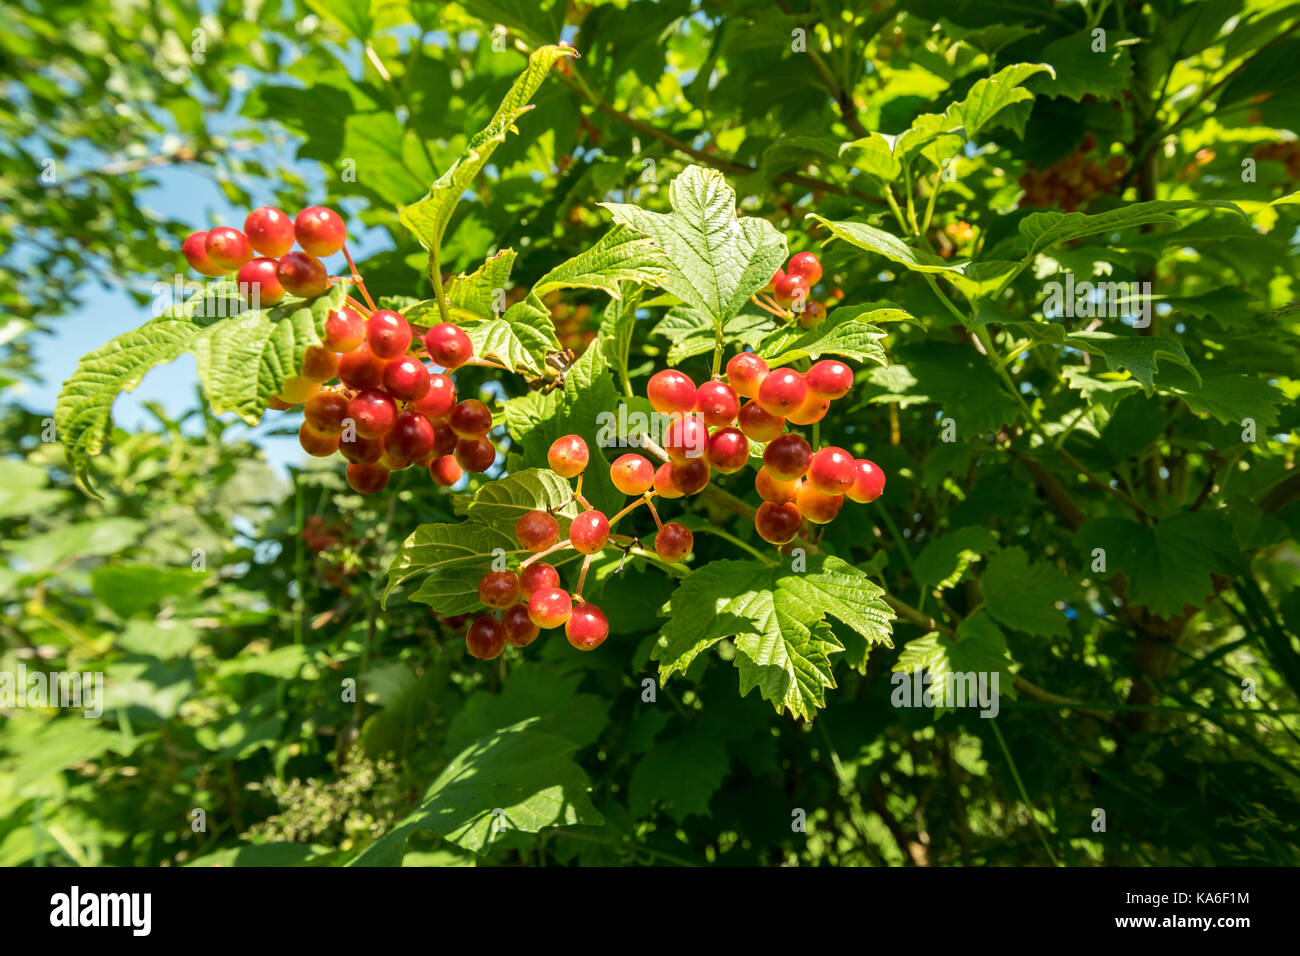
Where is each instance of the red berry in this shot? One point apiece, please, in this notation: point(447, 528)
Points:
point(367, 479)
point(670, 391)
point(360, 451)
point(519, 627)
point(444, 439)
point(746, 372)
point(471, 419)
point(374, 412)
point(728, 450)
point(632, 474)
point(778, 524)
point(196, 254)
point(832, 470)
point(297, 390)
point(345, 329)
point(782, 392)
point(758, 424)
point(498, 589)
point(674, 541)
point(325, 412)
point(302, 275)
point(390, 462)
point(227, 248)
point(258, 283)
point(812, 315)
point(320, 231)
point(589, 532)
point(537, 576)
point(686, 437)
point(445, 471)
point(448, 345)
point(475, 454)
point(773, 489)
point(817, 506)
point(486, 638)
point(316, 443)
point(787, 457)
point(438, 402)
point(361, 368)
point(689, 476)
point(406, 378)
point(319, 364)
point(805, 264)
point(829, 379)
point(568, 456)
point(549, 607)
point(791, 291)
point(587, 627)
point(717, 403)
point(388, 333)
point(664, 482)
point(270, 231)
point(771, 283)
point(411, 438)
point(868, 482)
point(537, 531)
point(812, 410)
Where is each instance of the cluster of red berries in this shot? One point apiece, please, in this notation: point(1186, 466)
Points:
point(1073, 181)
point(388, 409)
point(792, 287)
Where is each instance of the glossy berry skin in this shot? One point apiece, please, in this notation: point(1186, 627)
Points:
point(549, 607)
point(664, 482)
point(686, 437)
point(728, 450)
point(444, 440)
point(259, 284)
point(270, 231)
point(320, 231)
point(325, 412)
point(411, 438)
point(829, 379)
point(361, 369)
point(475, 454)
point(498, 589)
point(568, 456)
point(805, 264)
point(812, 315)
point(746, 372)
point(587, 627)
point(519, 627)
point(832, 470)
point(776, 490)
point(717, 403)
point(315, 443)
point(448, 345)
point(391, 463)
point(374, 412)
point(674, 541)
point(345, 329)
point(194, 248)
point(868, 482)
point(787, 457)
point(445, 471)
point(360, 451)
point(632, 474)
point(227, 248)
point(470, 419)
point(758, 424)
point(791, 291)
point(437, 403)
point(486, 638)
point(778, 524)
point(406, 378)
point(388, 333)
point(367, 479)
point(536, 576)
point(670, 391)
point(782, 392)
point(812, 410)
point(297, 390)
point(319, 364)
point(589, 532)
point(536, 531)
point(302, 275)
point(817, 506)
point(689, 476)
point(771, 283)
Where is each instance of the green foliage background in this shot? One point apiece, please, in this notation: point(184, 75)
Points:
point(1161, 690)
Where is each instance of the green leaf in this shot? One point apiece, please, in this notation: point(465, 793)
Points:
point(874, 155)
point(87, 539)
point(988, 97)
point(1080, 70)
point(128, 590)
point(429, 217)
point(680, 774)
point(944, 561)
point(848, 332)
point(23, 489)
point(1138, 354)
point(1023, 596)
point(546, 692)
point(475, 297)
point(715, 259)
point(621, 255)
point(519, 340)
point(1042, 230)
point(691, 332)
point(1231, 397)
point(516, 777)
point(978, 649)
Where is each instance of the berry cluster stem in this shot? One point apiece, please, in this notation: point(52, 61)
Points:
point(356, 276)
